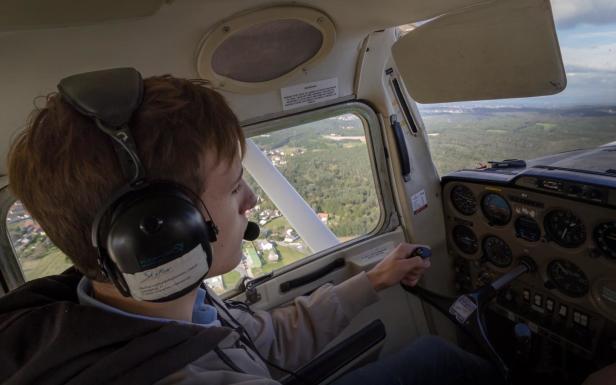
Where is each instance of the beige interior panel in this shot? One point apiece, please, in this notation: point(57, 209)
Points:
point(34, 60)
point(504, 49)
point(399, 311)
point(25, 14)
point(28, 14)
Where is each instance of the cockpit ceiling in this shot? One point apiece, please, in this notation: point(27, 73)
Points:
point(36, 14)
point(38, 51)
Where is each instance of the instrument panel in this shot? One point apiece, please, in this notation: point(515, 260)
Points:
point(572, 294)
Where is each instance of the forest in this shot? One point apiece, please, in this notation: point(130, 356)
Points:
point(333, 176)
point(469, 137)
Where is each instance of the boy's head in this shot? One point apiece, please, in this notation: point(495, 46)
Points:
point(63, 168)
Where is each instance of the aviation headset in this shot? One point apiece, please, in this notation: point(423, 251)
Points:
point(152, 239)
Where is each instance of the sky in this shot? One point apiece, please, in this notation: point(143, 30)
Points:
point(586, 32)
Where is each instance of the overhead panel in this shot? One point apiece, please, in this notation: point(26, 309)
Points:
point(36, 51)
point(37, 14)
point(34, 14)
point(503, 49)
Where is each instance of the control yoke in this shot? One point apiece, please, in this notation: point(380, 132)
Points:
point(467, 310)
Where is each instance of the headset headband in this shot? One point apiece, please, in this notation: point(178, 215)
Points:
point(155, 227)
point(110, 97)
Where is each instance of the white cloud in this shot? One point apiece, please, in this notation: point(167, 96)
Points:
point(569, 13)
point(601, 58)
point(595, 35)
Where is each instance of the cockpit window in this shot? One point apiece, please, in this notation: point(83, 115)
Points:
point(469, 134)
point(36, 254)
point(327, 162)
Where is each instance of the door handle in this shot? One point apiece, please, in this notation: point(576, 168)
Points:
point(403, 153)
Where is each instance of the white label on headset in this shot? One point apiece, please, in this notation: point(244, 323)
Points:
point(169, 278)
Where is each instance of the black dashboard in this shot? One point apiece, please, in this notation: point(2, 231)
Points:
point(564, 219)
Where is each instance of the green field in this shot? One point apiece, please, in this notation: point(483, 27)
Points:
point(289, 255)
point(54, 262)
point(231, 279)
point(465, 140)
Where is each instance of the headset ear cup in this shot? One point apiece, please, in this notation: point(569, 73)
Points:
point(160, 225)
point(207, 247)
point(212, 231)
point(112, 273)
point(120, 283)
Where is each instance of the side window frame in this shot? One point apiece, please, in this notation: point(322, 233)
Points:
point(373, 125)
point(11, 275)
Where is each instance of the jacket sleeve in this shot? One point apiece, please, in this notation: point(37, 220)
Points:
point(292, 335)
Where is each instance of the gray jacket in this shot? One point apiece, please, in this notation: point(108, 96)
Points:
point(288, 337)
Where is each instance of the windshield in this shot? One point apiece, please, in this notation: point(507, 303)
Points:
point(470, 134)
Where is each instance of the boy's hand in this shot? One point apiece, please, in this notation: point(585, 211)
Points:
point(398, 267)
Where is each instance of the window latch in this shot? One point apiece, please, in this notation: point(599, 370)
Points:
point(249, 286)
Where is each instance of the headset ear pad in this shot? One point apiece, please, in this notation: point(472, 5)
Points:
point(159, 241)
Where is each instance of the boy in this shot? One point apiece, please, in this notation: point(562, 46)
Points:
point(64, 169)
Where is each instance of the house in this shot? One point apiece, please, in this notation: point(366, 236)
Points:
point(324, 217)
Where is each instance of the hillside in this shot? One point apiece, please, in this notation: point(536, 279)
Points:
point(466, 137)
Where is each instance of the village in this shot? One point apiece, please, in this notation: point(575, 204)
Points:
point(26, 235)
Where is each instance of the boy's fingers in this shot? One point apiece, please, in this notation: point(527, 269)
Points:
point(407, 265)
point(405, 250)
point(410, 281)
point(414, 263)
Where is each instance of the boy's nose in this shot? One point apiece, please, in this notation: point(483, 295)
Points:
point(250, 201)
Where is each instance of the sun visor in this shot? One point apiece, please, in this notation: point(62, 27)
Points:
point(503, 49)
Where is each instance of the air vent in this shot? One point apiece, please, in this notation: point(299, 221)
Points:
point(254, 54)
point(260, 51)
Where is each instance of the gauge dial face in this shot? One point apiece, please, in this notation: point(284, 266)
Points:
point(463, 200)
point(497, 251)
point(528, 229)
point(565, 228)
point(496, 209)
point(605, 238)
point(465, 239)
point(568, 278)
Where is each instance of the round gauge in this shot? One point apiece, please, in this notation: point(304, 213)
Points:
point(568, 278)
point(565, 228)
point(463, 200)
point(465, 239)
point(497, 251)
point(496, 209)
point(605, 238)
point(528, 229)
